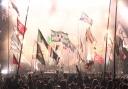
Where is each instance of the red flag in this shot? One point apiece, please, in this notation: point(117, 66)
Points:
point(98, 58)
point(21, 28)
point(15, 60)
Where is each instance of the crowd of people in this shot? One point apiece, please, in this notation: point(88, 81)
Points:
point(62, 81)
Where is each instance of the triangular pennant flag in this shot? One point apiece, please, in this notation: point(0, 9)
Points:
point(39, 55)
point(21, 28)
point(14, 61)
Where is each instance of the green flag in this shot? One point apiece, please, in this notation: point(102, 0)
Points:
point(49, 40)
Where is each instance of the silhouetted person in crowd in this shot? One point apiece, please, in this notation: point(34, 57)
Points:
point(94, 83)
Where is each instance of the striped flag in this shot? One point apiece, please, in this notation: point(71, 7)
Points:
point(89, 36)
point(15, 38)
point(15, 43)
point(53, 54)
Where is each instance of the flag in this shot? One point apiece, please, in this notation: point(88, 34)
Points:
point(59, 36)
point(89, 36)
point(98, 58)
point(15, 47)
point(14, 7)
point(84, 17)
point(54, 55)
point(15, 43)
point(79, 57)
point(14, 61)
point(15, 38)
point(39, 55)
point(42, 39)
point(49, 40)
point(21, 28)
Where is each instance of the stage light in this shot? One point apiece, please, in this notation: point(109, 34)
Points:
point(4, 3)
point(4, 71)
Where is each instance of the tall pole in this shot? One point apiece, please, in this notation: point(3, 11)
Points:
point(8, 37)
point(115, 29)
point(106, 39)
point(23, 38)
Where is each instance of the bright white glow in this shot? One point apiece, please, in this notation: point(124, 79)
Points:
point(65, 18)
point(123, 10)
point(4, 3)
point(89, 55)
point(4, 71)
point(24, 60)
point(21, 37)
point(36, 65)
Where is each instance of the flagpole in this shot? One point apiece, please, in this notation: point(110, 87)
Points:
point(78, 48)
point(106, 40)
point(32, 63)
point(8, 36)
point(23, 38)
point(115, 29)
